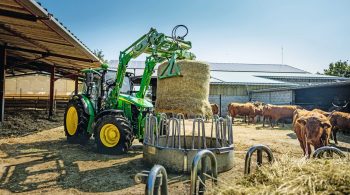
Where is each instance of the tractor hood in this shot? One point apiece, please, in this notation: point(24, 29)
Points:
point(139, 102)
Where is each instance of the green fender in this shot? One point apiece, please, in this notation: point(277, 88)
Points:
point(89, 109)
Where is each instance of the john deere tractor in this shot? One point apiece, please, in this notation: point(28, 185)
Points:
point(108, 108)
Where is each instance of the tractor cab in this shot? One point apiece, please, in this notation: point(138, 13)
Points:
point(99, 83)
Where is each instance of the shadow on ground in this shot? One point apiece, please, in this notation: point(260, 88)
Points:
point(292, 135)
point(276, 127)
point(41, 165)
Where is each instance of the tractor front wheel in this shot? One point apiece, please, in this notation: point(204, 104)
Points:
point(113, 134)
point(76, 122)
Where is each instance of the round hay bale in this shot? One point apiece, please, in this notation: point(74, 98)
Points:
point(187, 94)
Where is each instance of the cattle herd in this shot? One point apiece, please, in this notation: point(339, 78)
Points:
point(314, 127)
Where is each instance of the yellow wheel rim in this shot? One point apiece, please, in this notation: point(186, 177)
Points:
point(72, 120)
point(109, 135)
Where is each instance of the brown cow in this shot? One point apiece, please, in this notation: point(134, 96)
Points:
point(311, 128)
point(321, 112)
point(298, 113)
point(275, 113)
point(258, 112)
point(238, 109)
point(214, 109)
point(339, 121)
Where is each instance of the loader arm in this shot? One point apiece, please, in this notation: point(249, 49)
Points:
point(160, 48)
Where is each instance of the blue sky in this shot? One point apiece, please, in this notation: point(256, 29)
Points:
point(313, 33)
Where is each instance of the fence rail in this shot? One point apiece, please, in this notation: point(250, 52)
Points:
point(36, 102)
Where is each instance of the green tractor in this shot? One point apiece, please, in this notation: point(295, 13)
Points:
point(109, 109)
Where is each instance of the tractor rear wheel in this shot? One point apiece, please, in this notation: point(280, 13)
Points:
point(113, 134)
point(76, 122)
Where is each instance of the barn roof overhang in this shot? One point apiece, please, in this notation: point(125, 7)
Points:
point(35, 41)
point(253, 84)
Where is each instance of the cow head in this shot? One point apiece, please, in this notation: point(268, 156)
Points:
point(317, 130)
point(265, 108)
point(259, 110)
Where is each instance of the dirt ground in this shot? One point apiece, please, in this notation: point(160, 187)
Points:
point(25, 122)
point(43, 162)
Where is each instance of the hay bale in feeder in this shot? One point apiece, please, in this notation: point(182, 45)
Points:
point(187, 94)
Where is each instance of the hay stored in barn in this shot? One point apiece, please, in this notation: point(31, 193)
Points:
point(187, 94)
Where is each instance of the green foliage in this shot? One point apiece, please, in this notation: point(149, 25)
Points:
point(100, 55)
point(340, 68)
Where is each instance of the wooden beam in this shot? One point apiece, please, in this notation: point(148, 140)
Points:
point(52, 90)
point(76, 85)
point(18, 15)
point(48, 54)
point(2, 82)
point(22, 36)
point(26, 62)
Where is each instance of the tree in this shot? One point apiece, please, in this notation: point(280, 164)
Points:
point(339, 68)
point(100, 55)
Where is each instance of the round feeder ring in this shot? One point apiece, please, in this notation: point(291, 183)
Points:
point(169, 144)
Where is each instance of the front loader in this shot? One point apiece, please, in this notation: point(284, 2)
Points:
point(109, 109)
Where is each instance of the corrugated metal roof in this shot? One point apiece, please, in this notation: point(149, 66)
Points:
point(31, 34)
point(231, 67)
point(333, 84)
point(296, 75)
point(242, 67)
point(241, 74)
point(242, 78)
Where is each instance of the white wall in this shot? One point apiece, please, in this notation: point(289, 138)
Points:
point(274, 97)
point(226, 100)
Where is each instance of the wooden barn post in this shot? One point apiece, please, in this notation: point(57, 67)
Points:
point(52, 89)
point(3, 63)
point(76, 85)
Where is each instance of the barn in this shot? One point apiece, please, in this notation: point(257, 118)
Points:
point(239, 82)
point(323, 95)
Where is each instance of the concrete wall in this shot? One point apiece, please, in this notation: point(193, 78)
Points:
point(235, 90)
point(37, 85)
point(274, 97)
point(225, 100)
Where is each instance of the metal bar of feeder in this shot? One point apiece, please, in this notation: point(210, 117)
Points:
point(181, 118)
point(147, 130)
point(320, 151)
point(230, 129)
point(173, 132)
point(150, 129)
point(224, 139)
point(200, 157)
point(179, 134)
point(167, 133)
point(217, 134)
point(221, 131)
point(259, 148)
point(211, 131)
point(193, 130)
point(155, 124)
point(152, 179)
point(198, 134)
point(203, 135)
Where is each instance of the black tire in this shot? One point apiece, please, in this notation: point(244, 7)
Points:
point(125, 134)
point(80, 136)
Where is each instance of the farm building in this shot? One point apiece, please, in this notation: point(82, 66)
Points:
point(314, 96)
point(236, 82)
point(33, 42)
